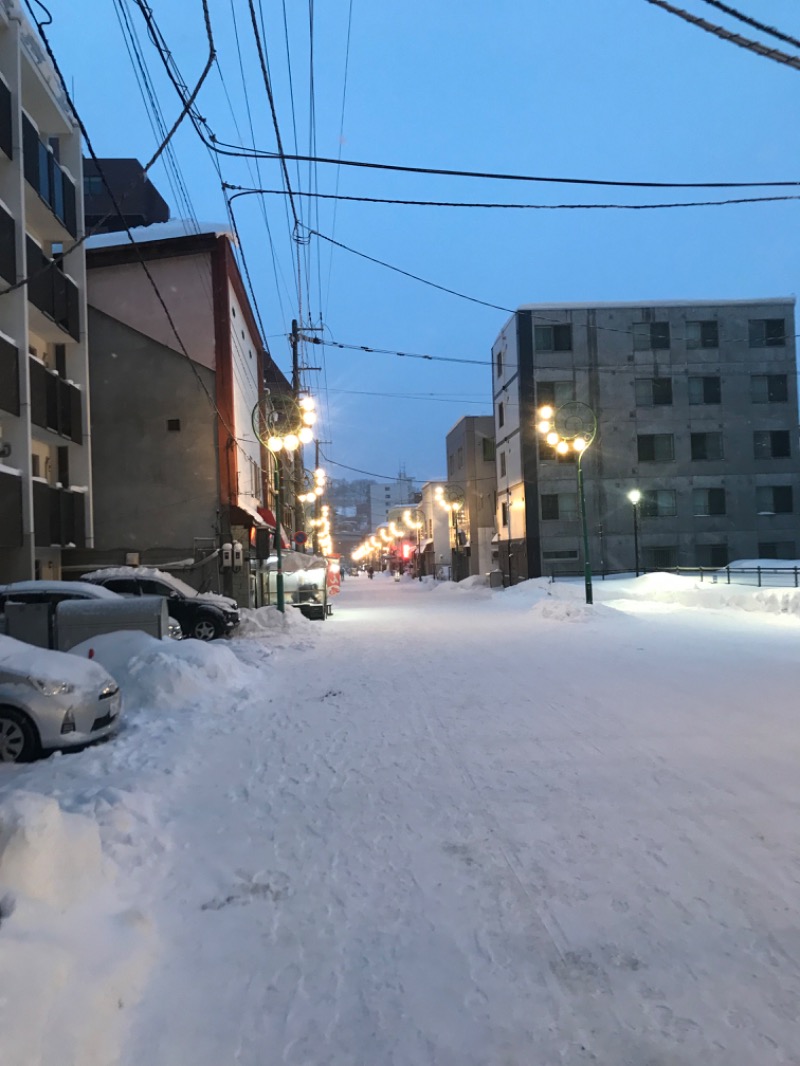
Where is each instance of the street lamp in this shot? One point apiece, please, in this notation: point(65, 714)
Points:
point(414, 520)
point(279, 431)
point(451, 497)
point(635, 497)
point(572, 428)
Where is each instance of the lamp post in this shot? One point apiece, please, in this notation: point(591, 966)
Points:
point(635, 496)
point(414, 521)
point(572, 429)
point(451, 497)
point(282, 429)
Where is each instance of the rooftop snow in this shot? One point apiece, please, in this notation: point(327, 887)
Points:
point(160, 231)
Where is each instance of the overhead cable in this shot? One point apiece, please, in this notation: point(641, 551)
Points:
point(771, 30)
point(521, 207)
point(726, 35)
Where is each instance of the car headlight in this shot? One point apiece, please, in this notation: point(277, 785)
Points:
point(52, 688)
point(111, 689)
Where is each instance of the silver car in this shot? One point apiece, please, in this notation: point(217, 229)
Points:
point(51, 700)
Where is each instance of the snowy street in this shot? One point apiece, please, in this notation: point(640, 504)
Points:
point(449, 826)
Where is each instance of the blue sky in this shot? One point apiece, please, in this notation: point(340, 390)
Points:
point(613, 89)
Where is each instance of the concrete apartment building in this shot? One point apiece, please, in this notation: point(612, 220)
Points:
point(178, 469)
point(696, 406)
point(471, 467)
point(45, 466)
point(383, 497)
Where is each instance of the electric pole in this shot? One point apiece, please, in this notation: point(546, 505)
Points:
point(297, 458)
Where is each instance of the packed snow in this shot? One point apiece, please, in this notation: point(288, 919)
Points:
point(451, 825)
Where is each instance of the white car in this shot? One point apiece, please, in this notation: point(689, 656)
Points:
point(50, 700)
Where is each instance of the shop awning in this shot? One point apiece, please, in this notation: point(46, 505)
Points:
point(425, 545)
point(268, 516)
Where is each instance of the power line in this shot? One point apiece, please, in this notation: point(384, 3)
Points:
point(771, 30)
point(521, 207)
point(407, 274)
point(726, 35)
point(239, 150)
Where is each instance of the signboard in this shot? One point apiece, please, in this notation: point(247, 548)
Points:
point(334, 575)
point(300, 538)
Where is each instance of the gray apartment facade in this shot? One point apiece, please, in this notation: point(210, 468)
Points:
point(471, 467)
point(696, 407)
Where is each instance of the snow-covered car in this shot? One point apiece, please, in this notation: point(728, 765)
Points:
point(50, 700)
point(203, 615)
point(55, 592)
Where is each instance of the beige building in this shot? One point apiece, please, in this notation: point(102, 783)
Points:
point(45, 465)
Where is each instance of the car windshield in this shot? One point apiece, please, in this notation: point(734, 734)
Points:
point(176, 584)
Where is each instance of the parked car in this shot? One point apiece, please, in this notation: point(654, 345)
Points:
point(55, 592)
point(50, 700)
point(205, 616)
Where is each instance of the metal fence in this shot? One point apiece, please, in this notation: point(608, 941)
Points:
point(755, 576)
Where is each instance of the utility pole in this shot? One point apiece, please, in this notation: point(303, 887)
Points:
point(297, 458)
point(318, 500)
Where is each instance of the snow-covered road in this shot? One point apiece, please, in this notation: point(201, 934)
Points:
point(460, 827)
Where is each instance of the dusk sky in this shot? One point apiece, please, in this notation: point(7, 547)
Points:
point(608, 89)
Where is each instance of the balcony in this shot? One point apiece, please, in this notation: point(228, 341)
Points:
point(6, 137)
point(8, 247)
point(52, 293)
point(9, 377)
point(55, 404)
point(59, 516)
point(50, 197)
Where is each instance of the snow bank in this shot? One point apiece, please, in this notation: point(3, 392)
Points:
point(691, 592)
point(73, 955)
point(263, 621)
point(168, 675)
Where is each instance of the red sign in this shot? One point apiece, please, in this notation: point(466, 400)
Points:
point(334, 575)
point(300, 538)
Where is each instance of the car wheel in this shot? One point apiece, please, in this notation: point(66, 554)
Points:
point(206, 628)
point(19, 741)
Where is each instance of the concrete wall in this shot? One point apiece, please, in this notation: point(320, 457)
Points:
point(156, 489)
point(603, 367)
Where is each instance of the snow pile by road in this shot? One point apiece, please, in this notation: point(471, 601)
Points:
point(269, 622)
point(74, 954)
point(691, 592)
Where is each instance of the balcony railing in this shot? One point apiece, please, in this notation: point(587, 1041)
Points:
point(55, 404)
point(59, 516)
point(6, 138)
point(52, 291)
point(9, 377)
point(10, 510)
point(8, 248)
point(44, 174)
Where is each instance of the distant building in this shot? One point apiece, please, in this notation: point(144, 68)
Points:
point(45, 462)
point(471, 467)
point(139, 201)
point(435, 543)
point(696, 406)
point(390, 494)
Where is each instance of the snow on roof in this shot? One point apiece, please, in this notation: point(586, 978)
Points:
point(83, 588)
point(49, 665)
point(161, 231)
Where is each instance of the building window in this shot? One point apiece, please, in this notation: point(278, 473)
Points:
point(650, 336)
point(706, 446)
point(774, 499)
point(504, 515)
point(702, 334)
point(498, 361)
point(93, 185)
point(658, 503)
point(661, 558)
point(561, 506)
point(707, 502)
point(488, 449)
point(653, 392)
point(502, 464)
point(173, 425)
point(771, 444)
point(553, 338)
point(554, 393)
point(705, 390)
point(776, 549)
point(460, 458)
point(711, 554)
point(767, 333)
point(501, 415)
point(656, 447)
point(769, 388)
point(561, 553)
